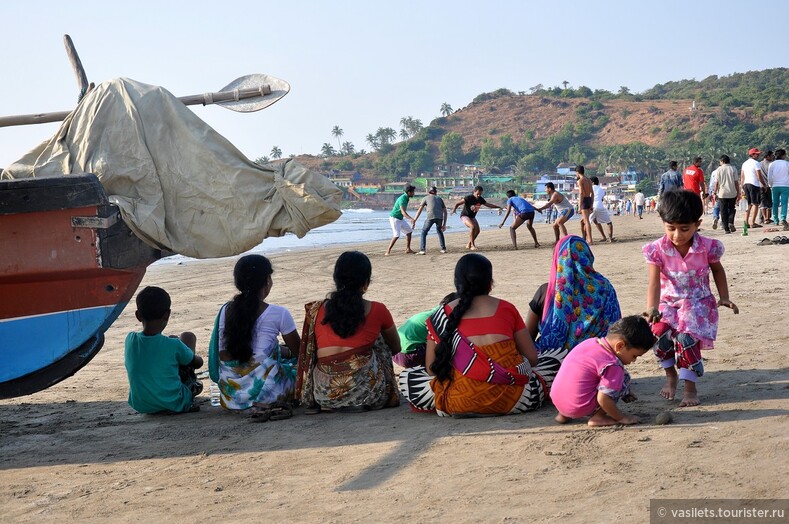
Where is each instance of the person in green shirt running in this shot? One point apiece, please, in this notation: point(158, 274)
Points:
point(397, 219)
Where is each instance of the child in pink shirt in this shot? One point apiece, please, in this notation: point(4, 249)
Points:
point(680, 305)
point(592, 377)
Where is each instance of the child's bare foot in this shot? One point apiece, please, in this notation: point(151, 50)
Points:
point(670, 387)
point(536, 245)
point(690, 396)
point(409, 251)
point(561, 419)
point(601, 419)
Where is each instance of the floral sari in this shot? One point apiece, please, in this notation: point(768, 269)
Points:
point(580, 303)
point(358, 377)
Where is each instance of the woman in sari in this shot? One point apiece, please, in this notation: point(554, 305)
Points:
point(254, 372)
point(579, 303)
point(345, 360)
point(479, 352)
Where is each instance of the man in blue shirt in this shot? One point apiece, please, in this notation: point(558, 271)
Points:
point(670, 180)
point(523, 212)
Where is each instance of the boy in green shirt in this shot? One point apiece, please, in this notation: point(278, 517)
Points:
point(160, 369)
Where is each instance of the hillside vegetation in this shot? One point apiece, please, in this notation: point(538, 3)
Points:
point(530, 132)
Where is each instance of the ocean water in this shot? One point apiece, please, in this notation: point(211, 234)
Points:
point(358, 226)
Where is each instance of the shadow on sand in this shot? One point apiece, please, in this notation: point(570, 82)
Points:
point(72, 432)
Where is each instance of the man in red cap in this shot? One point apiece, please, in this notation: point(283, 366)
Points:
point(750, 180)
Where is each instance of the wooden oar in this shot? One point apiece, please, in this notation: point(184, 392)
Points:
point(245, 94)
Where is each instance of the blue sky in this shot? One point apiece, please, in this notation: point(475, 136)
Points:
point(362, 65)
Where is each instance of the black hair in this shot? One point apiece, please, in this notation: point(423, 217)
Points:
point(780, 153)
point(251, 274)
point(153, 303)
point(595, 181)
point(479, 188)
point(635, 331)
point(345, 306)
point(680, 206)
point(697, 159)
point(550, 185)
point(725, 159)
point(768, 153)
point(579, 169)
point(448, 298)
point(473, 277)
point(511, 193)
point(672, 164)
point(408, 188)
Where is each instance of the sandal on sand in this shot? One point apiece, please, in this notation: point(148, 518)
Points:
point(313, 410)
point(765, 242)
point(264, 412)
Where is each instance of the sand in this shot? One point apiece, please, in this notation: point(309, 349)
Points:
point(78, 452)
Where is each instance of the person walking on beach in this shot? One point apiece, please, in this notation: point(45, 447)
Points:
point(471, 205)
point(750, 180)
point(563, 207)
point(670, 179)
point(766, 207)
point(436, 214)
point(524, 212)
point(725, 185)
point(693, 178)
point(586, 196)
point(778, 178)
point(639, 201)
point(600, 214)
point(397, 219)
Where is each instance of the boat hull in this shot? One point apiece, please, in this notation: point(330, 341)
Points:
point(68, 268)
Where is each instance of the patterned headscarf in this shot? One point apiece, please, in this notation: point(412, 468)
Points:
point(580, 303)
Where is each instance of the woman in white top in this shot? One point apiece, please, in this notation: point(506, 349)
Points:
point(255, 371)
point(778, 180)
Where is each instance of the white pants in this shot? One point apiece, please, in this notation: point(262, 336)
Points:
point(400, 225)
point(601, 215)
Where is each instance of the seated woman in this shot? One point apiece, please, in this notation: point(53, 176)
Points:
point(479, 353)
point(253, 371)
point(345, 359)
point(579, 302)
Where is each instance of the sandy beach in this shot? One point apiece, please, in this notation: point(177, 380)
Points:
point(78, 452)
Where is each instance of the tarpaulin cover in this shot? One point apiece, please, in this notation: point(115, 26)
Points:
point(180, 185)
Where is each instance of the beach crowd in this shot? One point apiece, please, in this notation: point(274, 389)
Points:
point(473, 354)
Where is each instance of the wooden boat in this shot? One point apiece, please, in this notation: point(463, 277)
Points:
point(69, 263)
point(68, 267)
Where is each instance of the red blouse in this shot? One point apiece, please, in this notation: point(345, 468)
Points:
point(505, 321)
point(378, 319)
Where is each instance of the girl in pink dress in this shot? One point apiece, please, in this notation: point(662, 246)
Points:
point(680, 305)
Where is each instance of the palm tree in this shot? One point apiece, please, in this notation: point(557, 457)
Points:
point(446, 109)
point(327, 150)
point(564, 83)
point(348, 148)
point(262, 160)
point(276, 152)
point(373, 141)
point(337, 133)
point(404, 134)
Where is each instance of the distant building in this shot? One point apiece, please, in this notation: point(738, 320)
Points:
point(566, 168)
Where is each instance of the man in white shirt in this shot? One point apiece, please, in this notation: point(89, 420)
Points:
point(724, 185)
point(750, 181)
point(600, 214)
point(778, 179)
point(639, 200)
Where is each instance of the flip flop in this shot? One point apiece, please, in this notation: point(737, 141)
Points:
point(781, 240)
point(765, 242)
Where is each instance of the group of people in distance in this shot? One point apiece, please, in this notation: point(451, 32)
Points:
point(473, 354)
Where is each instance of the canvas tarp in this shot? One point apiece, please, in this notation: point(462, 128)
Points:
point(180, 185)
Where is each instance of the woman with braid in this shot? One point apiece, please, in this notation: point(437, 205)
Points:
point(254, 372)
point(479, 353)
point(345, 359)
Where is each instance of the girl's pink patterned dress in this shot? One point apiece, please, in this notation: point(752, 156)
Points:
point(686, 302)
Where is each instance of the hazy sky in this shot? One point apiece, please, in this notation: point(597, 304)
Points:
point(362, 65)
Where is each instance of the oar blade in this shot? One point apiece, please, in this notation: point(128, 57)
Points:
point(279, 88)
